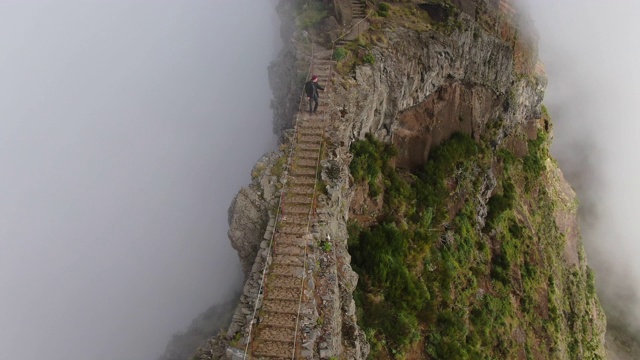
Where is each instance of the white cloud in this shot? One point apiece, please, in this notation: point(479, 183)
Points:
point(127, 127)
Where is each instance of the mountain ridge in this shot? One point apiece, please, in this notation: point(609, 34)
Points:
point(451, 82)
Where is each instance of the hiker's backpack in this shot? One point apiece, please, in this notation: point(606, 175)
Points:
point(308, 88)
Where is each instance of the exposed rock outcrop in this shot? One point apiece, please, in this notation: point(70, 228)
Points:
point(248, 213)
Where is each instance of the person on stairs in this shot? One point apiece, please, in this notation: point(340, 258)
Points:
point(311, 88)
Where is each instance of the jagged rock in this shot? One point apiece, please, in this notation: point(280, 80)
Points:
point(343, 11)
point(247, 216)
point(325, 353)
point(248, 213)
point(489, 183)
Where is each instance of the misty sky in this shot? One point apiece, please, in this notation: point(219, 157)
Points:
point(126, 129)
point(592, 60)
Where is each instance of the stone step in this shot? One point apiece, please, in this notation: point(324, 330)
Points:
point(312, 115)
point(301, 190)
point(302, 180)
point(322, 72)
point(317, 68)
point(302, 210)
point(307, 171)
point(306, 124)
point(305, 163)
point(311, 180)
point(303, 124)
point(290, 291)
point(293, 230)
point(279, 283)
point(311, 131)
point(316, 116)
point(302, 200)
point(314, 130)
point(297, 220)
point(309, 139)
point(275, 334)
point(288, 260)
point(293, 236)
point(289, 250)
point(272, 349)
point(286, 270)
point(321, 104)
point(278, 320)
point(282, 306)
point(308, 146)
point(294, 219)
point(291, 240)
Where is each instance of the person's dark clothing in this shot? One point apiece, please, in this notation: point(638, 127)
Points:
point(311, 89)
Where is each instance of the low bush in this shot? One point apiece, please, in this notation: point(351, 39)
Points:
point(369, 157)
point(383, 9)
point(339, 54)
point(369, 58)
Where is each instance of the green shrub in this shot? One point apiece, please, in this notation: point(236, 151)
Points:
point(369, 58)
point(591, 282)
point(533, 164)
point(453, 154)
point(383, 9)
point(370, 156)
point(325, 246)
point(499, 203)
point(339, 53)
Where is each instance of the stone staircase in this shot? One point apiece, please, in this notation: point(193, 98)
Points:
point(358, 13)
point(358, 9)
point(286, 312)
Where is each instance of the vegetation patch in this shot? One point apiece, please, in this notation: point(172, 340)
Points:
point(339, 54)
point(435, 271)
point(310, 13)
point(383, 9)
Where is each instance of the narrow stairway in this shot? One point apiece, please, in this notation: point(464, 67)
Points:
point(288, 284)
point(358, 13)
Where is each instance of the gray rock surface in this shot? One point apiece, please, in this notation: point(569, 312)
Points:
point(248, 213)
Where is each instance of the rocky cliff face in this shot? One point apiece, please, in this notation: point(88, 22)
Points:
point(413, 82)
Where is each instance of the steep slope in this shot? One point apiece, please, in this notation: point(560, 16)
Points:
point(435, 185)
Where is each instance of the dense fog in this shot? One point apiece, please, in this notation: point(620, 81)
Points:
point(592, 61)
point(127, 127)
